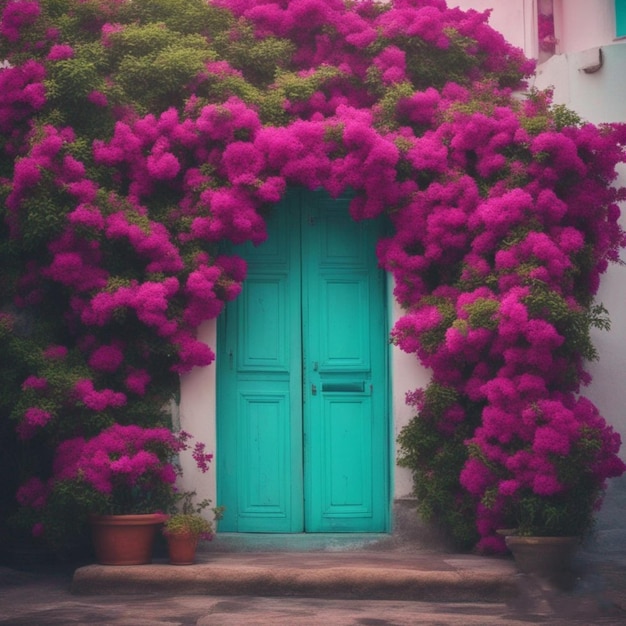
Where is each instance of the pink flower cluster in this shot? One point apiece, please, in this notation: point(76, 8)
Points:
point(34, 418)
point(127, 466)
point(457, 252)
point(119, 456)
point(527, 434)
point(22, 93)
point(16, 15)
point(33, 494)
point(98, 400)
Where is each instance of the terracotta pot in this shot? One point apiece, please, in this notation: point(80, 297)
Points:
point(182, 548)
point(550, 558)
point(124, 539)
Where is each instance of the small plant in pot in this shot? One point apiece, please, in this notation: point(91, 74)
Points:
point(187, 526)
point(120, 483)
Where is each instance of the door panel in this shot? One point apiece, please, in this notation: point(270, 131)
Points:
point(264, 499)
point(344, 339)
point(343, 335)
point(302, 416)
point(265, 344)
point(259, 443)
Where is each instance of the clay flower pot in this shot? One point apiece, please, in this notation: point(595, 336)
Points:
point(124, 539)
point(549, 558)
point(181, 548)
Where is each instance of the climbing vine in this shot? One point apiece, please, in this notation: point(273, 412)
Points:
point(138, 137)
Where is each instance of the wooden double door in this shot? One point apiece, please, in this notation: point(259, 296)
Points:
point(302, 419)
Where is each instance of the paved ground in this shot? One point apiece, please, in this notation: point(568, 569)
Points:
point(52, 596)
point(48, 602)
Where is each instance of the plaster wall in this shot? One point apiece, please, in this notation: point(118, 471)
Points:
point(581, 24)
point(197, 415)
point(515, 19)
point(578, 24)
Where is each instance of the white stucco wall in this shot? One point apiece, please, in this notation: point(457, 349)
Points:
point(406, 375)
point(579, 24)
point(583, 24)
point(196, 414)
point(515, 19)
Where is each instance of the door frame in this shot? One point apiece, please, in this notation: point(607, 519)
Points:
point(299, 196)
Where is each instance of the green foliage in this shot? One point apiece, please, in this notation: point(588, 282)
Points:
point(66, 511)
point(574, 324)
point(388, 103)
point(432, 339)
point(563, 515)
point(482, 313)
point(16, 359)
point(43, 215)
point(155, 79)
point(295, 87)
point(181, 16)
point(564, 117)
point(71, 80)
point(187, 518)
point(436, 458)
point(260, 60)
point(217, 89)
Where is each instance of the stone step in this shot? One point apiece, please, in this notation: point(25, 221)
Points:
point(398, 574)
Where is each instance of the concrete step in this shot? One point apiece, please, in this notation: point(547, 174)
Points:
point(395, 574)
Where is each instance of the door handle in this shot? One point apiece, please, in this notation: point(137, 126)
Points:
point(313, 390)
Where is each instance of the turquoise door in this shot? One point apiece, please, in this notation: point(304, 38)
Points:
point(302, 428)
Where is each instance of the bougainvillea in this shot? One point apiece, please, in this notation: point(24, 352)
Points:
point(139, 137)
point(122, 470)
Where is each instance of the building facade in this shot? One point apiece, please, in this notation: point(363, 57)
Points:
point(277, 478)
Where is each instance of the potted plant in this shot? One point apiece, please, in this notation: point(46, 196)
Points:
point(122, 482)
point(554, 486)
point(548, 531)
point(187, 526)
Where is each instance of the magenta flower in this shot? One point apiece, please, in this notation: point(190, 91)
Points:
point(55, 352)
point(35, 382)
point(38, 530)
point(98, 400)
point(106, 358)
point(97, 98)
point(60, 52)
point(137, 381)
point(33, 420)
point(33, 493)
point(18, 14)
